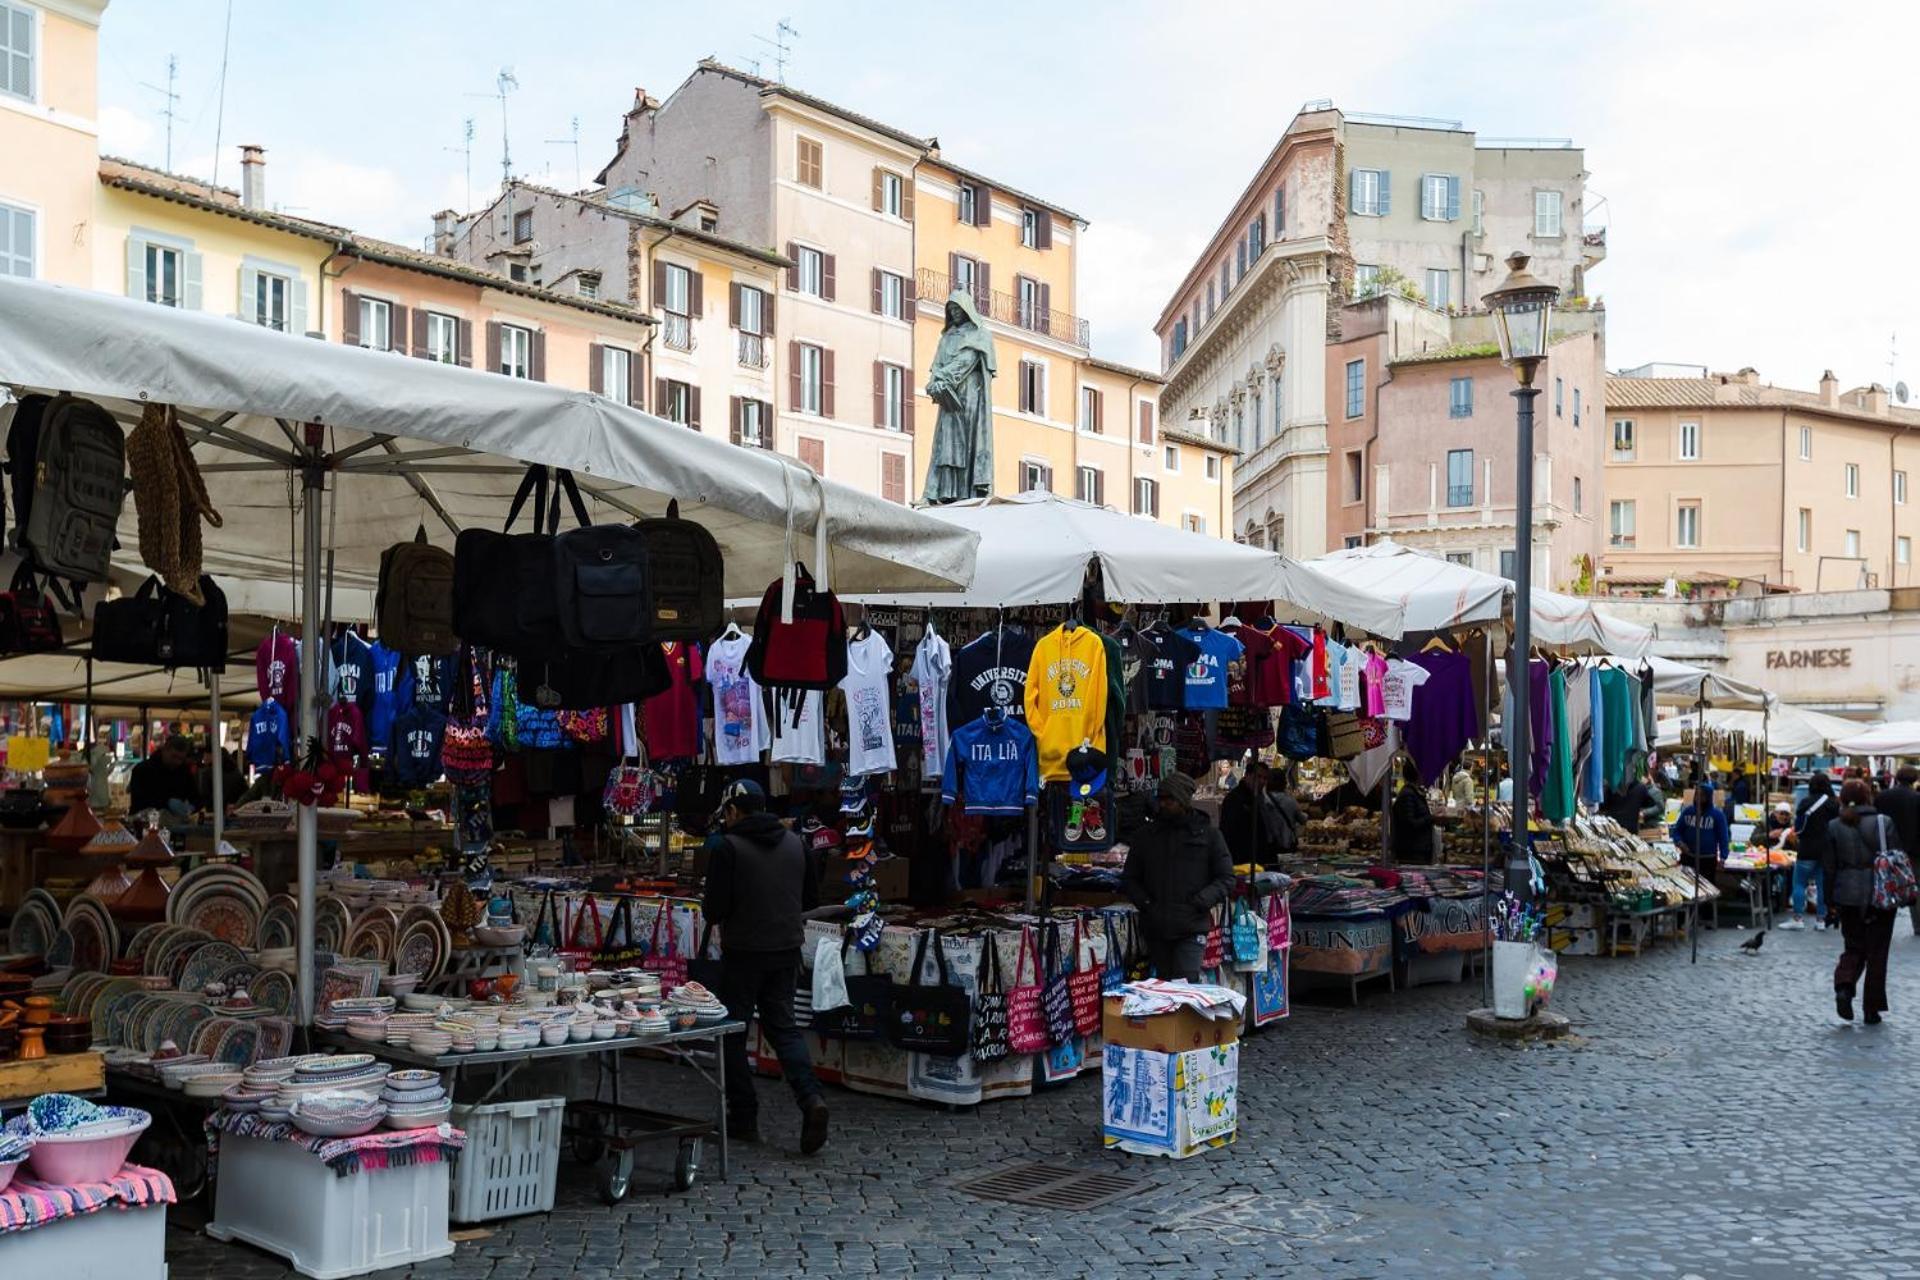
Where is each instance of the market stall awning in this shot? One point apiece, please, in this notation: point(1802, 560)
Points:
point(1789, 730)
point(1893, 738)
point(1035, 549)
point(434, 443)
point(1576, 626)
point(1389, 590)
point(1676, 684)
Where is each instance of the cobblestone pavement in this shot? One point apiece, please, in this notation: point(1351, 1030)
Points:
point(1710, 1121)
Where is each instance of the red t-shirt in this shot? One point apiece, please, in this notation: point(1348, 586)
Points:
point(1249, 682)
point(1276, 689)
point(673, 715)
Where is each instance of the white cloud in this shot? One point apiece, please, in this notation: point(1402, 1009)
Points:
point(122, 133)
point(366, 198)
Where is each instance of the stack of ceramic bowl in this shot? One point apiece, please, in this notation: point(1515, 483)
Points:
point(210, 1085)
point(373, 1030)
point(338, 1114)
point(13, 1153)
point(431, 1041)
point(343, 1010)
point(248, 1097)
point(401, 1026)
point(399, 984)
point(580, 1026)
point(415, 1100)
point(553, 1032)
point(652, 1022)
point(75, 1141)
point(517, 1037)
point(461, 1031)
point(702, 1004)
point(343, 1073)
point(175, 1072)
point(646, 988)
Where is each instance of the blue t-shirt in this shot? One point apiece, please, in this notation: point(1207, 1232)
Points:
point(994, 766)
point(383, 702)
point(269, 740)
point(1207, 672)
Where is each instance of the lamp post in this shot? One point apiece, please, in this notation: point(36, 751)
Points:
point(1522, 310)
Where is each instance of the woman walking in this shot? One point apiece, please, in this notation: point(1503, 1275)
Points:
point(1810, 824)
point(1866, 933)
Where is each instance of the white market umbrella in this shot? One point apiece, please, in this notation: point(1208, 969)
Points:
point(1893, 738)
point(1790, 731)
point(1390, 590)
point(1679, 684)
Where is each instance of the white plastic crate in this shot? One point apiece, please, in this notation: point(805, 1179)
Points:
point(117, 1243)
point(511, 1158)
point(279, 1197)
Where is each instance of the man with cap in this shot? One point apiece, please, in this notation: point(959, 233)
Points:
point(1178, 870)
point(164, 781)
point(760, 880)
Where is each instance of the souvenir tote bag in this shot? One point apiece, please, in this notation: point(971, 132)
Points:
point(1114, 975)
point(619, 949)
point(869, 996)
point(584, 936)
point(663, 957)
point(989, 1006)
point(1083, 985)
point(1057, 998)
point(1216, 949)
point(930, 1018)
point(1026, 1027)
point(1249, 941)
point(1279, 921)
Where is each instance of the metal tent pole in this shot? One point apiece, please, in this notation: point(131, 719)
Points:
point(1486, 851)
point(1700, 761)
point(219, 761)
point(307, 829)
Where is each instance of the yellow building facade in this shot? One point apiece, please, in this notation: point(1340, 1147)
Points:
point(49, 137)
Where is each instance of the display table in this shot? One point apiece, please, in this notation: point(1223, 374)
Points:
point(112, 1230)
point(23, 1081)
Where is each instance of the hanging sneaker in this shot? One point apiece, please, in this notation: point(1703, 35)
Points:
point(1095, 823)
point(1074, 830)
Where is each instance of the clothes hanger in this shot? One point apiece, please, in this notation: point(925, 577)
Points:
point(1436, 643)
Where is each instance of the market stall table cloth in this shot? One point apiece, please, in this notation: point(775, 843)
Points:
point(27, 1204)
point(381, 1149)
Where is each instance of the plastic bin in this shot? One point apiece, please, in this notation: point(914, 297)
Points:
point(511, 1159)
point(277, 1196)
point(116, 1243)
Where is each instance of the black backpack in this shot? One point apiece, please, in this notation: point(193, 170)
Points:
point(601, 587)
point(28, 623)
point(414, 604)
point(79, 485)
point(583, 680)
point(132, 628)
point(195, 637)
point(503, 595)
point(23, 454)
point(687, 577)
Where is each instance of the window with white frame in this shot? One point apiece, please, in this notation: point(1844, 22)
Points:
point(1689, 442)
point(1364, 192)
point(1853, 479)
point(1576, 406)
point(1804, 530)
point(1030, 228)
point(754, 423)
point(376, 324)
point(1620, 522)
point(18, 58)
point(1853, 543)
point(1439, 197)
point(967, 202)
point(616, 374)
point(893, 397)
point(1903, 550)
point(1546, 213)
point(812, 377)
point(676, 402)
point(1356, 388)
point(966, 274)
point(1459, 477)
point(1088, 486)
point(1194, 522)
point(1035, 477)
point(1624, 441)
point(516, 351)
point(1170, 459)
point(166, 280)
point(1027, 300)
point(1146, 497)
point(813, 270)
point(1460, 397)
point(16, 241)
point(1366, 277)
point(1686, 525)
point(752, 310)
point(893, 296)
point(1439, 291)
point(1806, 444)
point(1900, 488)
point(677, 298)
point(893, 193)
point(443, 338)
point(1091, 414)
point(1033, 387)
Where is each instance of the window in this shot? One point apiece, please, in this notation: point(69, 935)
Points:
point(516, 351)
point(1366, 278)
point(1440, 197)
point(588, 282)
point(1439, 293)
point(756, 424)
point(164, 275)
point(16, 51)
point(1559, 398)
point(1030, 228)
point(1090, 485)
point(1255, 418)
point(443, 338)
point(1356, 388)
point(1354, 475)
point(1806, 444)
point(1179, 337)
point(1853, 479)
point(751, 318)
point(813, 455)
point(812, 378)
point(1209, 299)
point(1479, 213)
point(890, 295)
point(1279, 407)
point(807, 168)
point(1351, 541)
point(1367, 192)
point(1579, 503)
point(1146, 497)
point(1805, 530)
point(1026, 295)
point(1689, 442)
point(1145, 425)
point(892, 193)
point(1462, 558)
point(1546, 214)
point(1686, 525)
point(1460, 398)
point(1459, 477)
point(1092, 409)
point(677, 297)
point(1035, 477)
point(1623, 440)
point(1900, 488)
point(616, 374)
point(966, 275)
point(676, 402)
point(968, 203)
point(1226, 280)
point(376, 324)
point(890, 388)
point(1620, 523)
point(1213, 466)
point(1194, 522)
point(812, 265)
point(16, 240)
point(1853, 542)
point(517, 272)
point(1576, 406)
point(1239, 437)
point(1508, 569)
point(523, 226)
point(1279, 213)
point(1903, 550)
point(893, 477)
point(1257, 237)
point(1170, 459)
point(1033, 387)
point(271, 304)
point(1239, 260)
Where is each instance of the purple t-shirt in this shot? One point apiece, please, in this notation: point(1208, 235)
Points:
point(1444, 716)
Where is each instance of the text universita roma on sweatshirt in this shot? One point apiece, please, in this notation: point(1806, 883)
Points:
point(1066, 696)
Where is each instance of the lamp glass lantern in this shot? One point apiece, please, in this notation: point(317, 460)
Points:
point(1522, 310)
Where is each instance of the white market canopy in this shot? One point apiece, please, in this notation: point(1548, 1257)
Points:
point(1894, 738)
point(1573, 625)
point(429, 442)
point(1035, 548)
point(1676, 684)
point(1789, 730)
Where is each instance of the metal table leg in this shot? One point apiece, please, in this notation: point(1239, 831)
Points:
point(720, 1095)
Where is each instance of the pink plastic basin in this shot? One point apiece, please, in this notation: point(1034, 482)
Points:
point(7, 1171)
point(69, 1161)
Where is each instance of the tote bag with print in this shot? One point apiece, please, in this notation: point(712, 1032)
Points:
point(989, 1006)
point(1026, 1025)
point(1083, 985)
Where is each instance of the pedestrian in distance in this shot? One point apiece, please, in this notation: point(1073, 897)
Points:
point(1701, 834)
point(1811, 822)
point(1251, 820)
point(1866, 931)
point(1178, 870)
point(760, 882)
point(1901, 802)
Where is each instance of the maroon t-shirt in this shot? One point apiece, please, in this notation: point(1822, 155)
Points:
point(673, 715)
point(1249, 683)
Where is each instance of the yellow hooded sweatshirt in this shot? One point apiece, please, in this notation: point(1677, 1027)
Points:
point(1066, 696)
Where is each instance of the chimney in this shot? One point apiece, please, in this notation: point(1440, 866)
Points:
point(1829, 390)
point(444, 224)
point(1877, 400)
point(253, 176)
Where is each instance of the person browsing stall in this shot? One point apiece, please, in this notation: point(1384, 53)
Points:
point(1901, 803)
point(1252, 822)
point(1812, 821)
point(1701, 833)
point(760, 882)
point(164, 781)
point(1856, 840)
point(1178, 870)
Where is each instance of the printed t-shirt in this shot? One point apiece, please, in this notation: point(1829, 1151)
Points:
point(1396, 690)
point(990, 672)
point(1373, 678)
point(426, 681)
point(1131, 674)
point(799, 728)
point(933, 672)
point(1289, 647)
point(1166, 656)
point(1346, 682)
point(739, 719)
point(1252, 683)
point(1207, 673)
point(869, 718)
point(1067, 696)
point(276, 669)
point(673, 715)
point(382, 703)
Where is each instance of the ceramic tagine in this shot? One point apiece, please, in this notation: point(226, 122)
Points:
point(146, 898)
point(76, 828)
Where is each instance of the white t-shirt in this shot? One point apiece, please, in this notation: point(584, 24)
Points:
point(805, 742)
point(1346, 685)
point(1397, 689)
point(739, 714)
point(933, 672)
point(869, 713)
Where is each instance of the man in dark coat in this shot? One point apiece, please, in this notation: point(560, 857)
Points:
point(1252, 821)
point(1901, 802)
point(1178, 870)
point(760, 880)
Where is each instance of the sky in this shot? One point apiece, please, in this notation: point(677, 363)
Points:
point(1752, 163)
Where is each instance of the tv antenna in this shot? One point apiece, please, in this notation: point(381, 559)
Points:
point(466, 151)
point(1893, 358)
point(781, 42)
point(573, 142)
point(169, 96)
point(504, 84)
point(220, 112)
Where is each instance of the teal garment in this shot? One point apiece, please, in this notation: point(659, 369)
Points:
point(1617, 741)
point(1557, 801)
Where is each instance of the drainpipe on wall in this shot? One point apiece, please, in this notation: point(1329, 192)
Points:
point(653, 330)
point(1133, 432)
point(1783, 505)
point(339, 247)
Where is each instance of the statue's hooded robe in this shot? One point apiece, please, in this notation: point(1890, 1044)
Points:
point(961, 383)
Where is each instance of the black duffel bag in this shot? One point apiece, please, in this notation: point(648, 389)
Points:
point(503, 591)
point(132, 628)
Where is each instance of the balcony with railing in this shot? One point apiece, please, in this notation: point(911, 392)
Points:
point(677, 331)
point(752, 350)
point(934, 286)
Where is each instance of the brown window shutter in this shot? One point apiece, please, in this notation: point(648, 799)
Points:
point(983, 291)
point(636, 381)
point(349, 318)
point(539, 355)
point(906, 197)
point(396, 327)
point(766, 312)
point(660, 396)
point(596, 369)
point(696, 293)
point(1146, 422)
point(793, 268)
point(733, 305)
point(1043, 231)
point(875, 273)
point(693, 407)
point(1099, 413)
point(909, 292)
point(466, 343)
point(1044, 321)
point(953, 271)
point(879, 394)
point(418, 337)
point(879, 178)
point(983, 206)
point(826, 276)
point(793, 376)
point(493, 346)
point(1099, 488)
point(826, 382)
point(659, 283)
point(733, 419)
point(907, 405)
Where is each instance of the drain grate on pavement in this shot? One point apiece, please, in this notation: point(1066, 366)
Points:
point(1048, 1186)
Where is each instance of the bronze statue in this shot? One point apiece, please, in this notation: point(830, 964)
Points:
point(961, 383)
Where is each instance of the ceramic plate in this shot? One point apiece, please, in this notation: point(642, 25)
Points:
point(230, 917)
point(332, 923)
point(207, 962)
point(280, 922)
point(144, 938)
point(273, 990)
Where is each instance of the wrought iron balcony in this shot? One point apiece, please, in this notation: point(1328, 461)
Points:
point(753, 350)
point(934, 286)
point(677, 331)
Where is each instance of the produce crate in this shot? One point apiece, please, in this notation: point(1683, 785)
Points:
point(511, 1159)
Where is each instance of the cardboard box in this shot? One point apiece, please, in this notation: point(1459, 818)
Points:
point(1173, 1032)
point(1169, 1104)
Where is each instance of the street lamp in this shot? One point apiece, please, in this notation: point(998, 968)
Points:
point(1522, 310)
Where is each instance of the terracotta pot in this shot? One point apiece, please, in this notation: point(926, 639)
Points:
point(39, 1010)
point(75, 828)
point(32, 1043)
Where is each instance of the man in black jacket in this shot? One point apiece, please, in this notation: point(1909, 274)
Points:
point(1901, 802)
point(1252, 822)
point(1178, 870)
point(760, 880)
